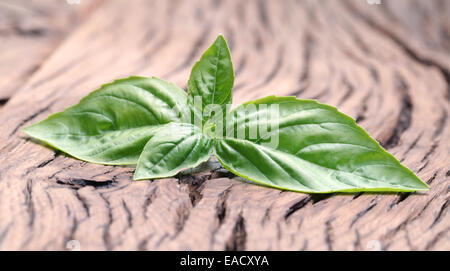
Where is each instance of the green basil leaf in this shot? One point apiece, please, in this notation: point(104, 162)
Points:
point(318, 150)
point(112, 124)
point(175, 147)
point(212, 77)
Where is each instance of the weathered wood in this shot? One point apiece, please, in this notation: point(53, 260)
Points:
point(29, 31)
point(358, 57)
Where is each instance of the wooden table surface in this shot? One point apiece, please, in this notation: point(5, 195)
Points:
point(386, 65)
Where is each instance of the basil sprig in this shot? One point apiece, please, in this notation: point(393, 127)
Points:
point(281, 142)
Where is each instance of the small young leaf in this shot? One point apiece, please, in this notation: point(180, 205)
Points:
point(175, 147)
point(212, 77)
point(112, 124)
point(318, 150)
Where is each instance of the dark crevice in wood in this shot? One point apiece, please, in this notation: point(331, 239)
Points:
point(306, 59)
point(31, 117)
point(441, 124)
point(32, 32)
point(422, 167)
point(305, 245)
point(357, 195)
point(389, 236)
point(73, 229)
point(83, 202)
point(221, 212)
point(182, 214)
point(320, 94)
point(429, 181)
point(195, 186)
point(316, 198)
point(430, 245)
point(142, 246)
point(241, 66)
point(297, 206)
point(404, 118)
point(28, 193)
point(412, 146)
point(362, 213)
point(349, 91)
point(329, 238)
point(4, 233)
point(408, 241)
point(106, 236)
point(108, 171)
point(3, 101)
point(238, 238)
point(221, 206)
point(266, 216)
point(362, 112)
point(402, 197)
point(258, 42)
point(149, 198)
point(163, 237)
point(371, 69)
point(78, 183)
point(128, 213)
point(42, 164)
point(264, 18)
point(442, 212)
point(357, 242)
point(50, 201)
point(46, 162)
point(430, 152)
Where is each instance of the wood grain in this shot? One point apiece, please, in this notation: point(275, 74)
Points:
point(364, 59)
point(29, 31)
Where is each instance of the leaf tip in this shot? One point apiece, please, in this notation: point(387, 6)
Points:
point(28, 130)
point(221, 38)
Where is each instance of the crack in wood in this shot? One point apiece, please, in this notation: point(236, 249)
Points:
point(128, 213)
point(28, 193)
point(362, 213)
point(149, 198)
point(31, 117)
point(438, 237)
point(308, 48)
point(106, 236)
point(430, 180)
point(329, 237)
point(297, 206)
point(238, 237)
point(404, 117)
point(441, 213)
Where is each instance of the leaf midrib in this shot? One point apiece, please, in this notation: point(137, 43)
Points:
point(215, 73)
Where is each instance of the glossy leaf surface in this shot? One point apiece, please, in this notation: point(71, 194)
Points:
point(319, 150)
point(112, 124)
point(175, 147)
point(212, 77)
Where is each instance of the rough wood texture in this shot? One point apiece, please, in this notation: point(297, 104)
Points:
point(385, 65)
point(29, 31)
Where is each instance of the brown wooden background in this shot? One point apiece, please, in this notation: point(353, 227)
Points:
point(386, 65)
